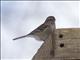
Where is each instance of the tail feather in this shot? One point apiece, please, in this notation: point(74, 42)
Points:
point(20, 37)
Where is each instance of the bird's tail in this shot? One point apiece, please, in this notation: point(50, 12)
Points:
point(20, 37)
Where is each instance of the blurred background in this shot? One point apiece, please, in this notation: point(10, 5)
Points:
point(21, 17)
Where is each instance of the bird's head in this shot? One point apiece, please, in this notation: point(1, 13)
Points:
point(50, 20)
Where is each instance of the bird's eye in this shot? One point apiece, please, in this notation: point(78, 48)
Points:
point(50, 19)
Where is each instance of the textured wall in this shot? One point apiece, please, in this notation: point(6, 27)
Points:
point(67, 46)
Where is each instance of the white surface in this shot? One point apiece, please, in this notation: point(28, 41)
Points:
point(20, 18)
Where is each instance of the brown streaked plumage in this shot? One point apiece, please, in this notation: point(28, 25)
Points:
point(43, 31)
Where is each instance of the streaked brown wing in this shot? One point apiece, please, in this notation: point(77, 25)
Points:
point(41, 28)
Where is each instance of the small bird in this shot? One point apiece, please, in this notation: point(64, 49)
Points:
point(43, 31)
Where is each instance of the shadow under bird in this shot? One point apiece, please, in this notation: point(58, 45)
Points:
point(43, 31)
